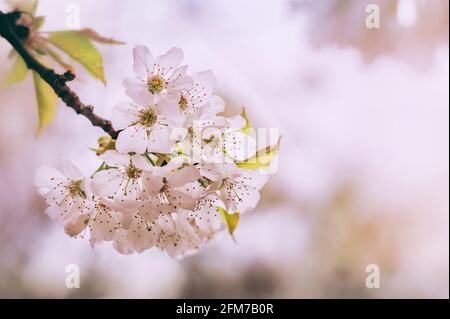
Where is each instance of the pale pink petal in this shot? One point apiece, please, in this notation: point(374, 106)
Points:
point(121, 245)
point(70, 170)
point(236, 122)
point(159, 140)
point(166, 223)
point(139, 161)
point(169, 109)
point(179, 73)
point(180, 83)
point(253, 178)
point(137, 90)
point(239, 146)
point(183, 176)
point(216, 122)
point(169, 61)
point(216, 105)
point(76, 224)
point(212, 154)
point(62, 206)
point(142, 235)
point(180, 199)
point(128, 197)
point(132, 139)
point(151, 184)
point(173, 245)
point(239, 196)
point(115, 159)
point(107, 183)
point(210, 171)
point(48, 177)
point(207, 217)
point(143, 60)
point(123, 115)
point(104, 225)
point(204, 85)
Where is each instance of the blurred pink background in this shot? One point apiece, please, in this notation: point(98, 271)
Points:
point(363, 171)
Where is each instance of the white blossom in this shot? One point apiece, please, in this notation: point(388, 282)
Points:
point(178, 236)
point(239, 190)
point(156, 76)
point(220, 140)
point(158, 187)
point(146, 127)
point(66, 194)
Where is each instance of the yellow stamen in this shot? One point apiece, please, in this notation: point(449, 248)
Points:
point(156, 84)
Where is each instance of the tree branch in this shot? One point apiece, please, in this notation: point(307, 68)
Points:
point(9, 30)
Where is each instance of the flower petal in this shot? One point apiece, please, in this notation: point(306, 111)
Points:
point(132, 139)
point(115, 159)
point(207, 217)
point(123, 115)
point(169, 109)
point(107, 183)
point(168, 61)
point(48, 177)
point(159, 140)
point(183, 176)
point(180, 199)
point(143, 60)
point(137, 90)
point(239, 146)
point(76, 224)
point(216, 105)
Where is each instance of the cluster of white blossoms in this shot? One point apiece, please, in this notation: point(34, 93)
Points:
point(172, 178)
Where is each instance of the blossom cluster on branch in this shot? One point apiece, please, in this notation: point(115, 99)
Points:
point(177, 174)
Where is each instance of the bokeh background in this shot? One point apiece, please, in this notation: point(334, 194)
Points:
point(363, 172)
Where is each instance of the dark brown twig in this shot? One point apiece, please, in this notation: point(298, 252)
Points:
point(8, 30)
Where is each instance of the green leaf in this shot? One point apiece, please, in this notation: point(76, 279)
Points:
point(18, 72)
point(44, 47)
point(231, 220)
point(38, 22)
point(248, 127)
point(81, 49)
point(46, 100)
point(262, 159)
point(94, 36)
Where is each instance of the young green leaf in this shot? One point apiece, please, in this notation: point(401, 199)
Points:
point(18, 72)
point(231, 220)
point(81, 49)
point(38, 22)
point(94, 36)
point(262, 159)
point(42, 45)
point(46, 101)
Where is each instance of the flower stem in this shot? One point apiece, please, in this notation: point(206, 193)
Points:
point(8, 30)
